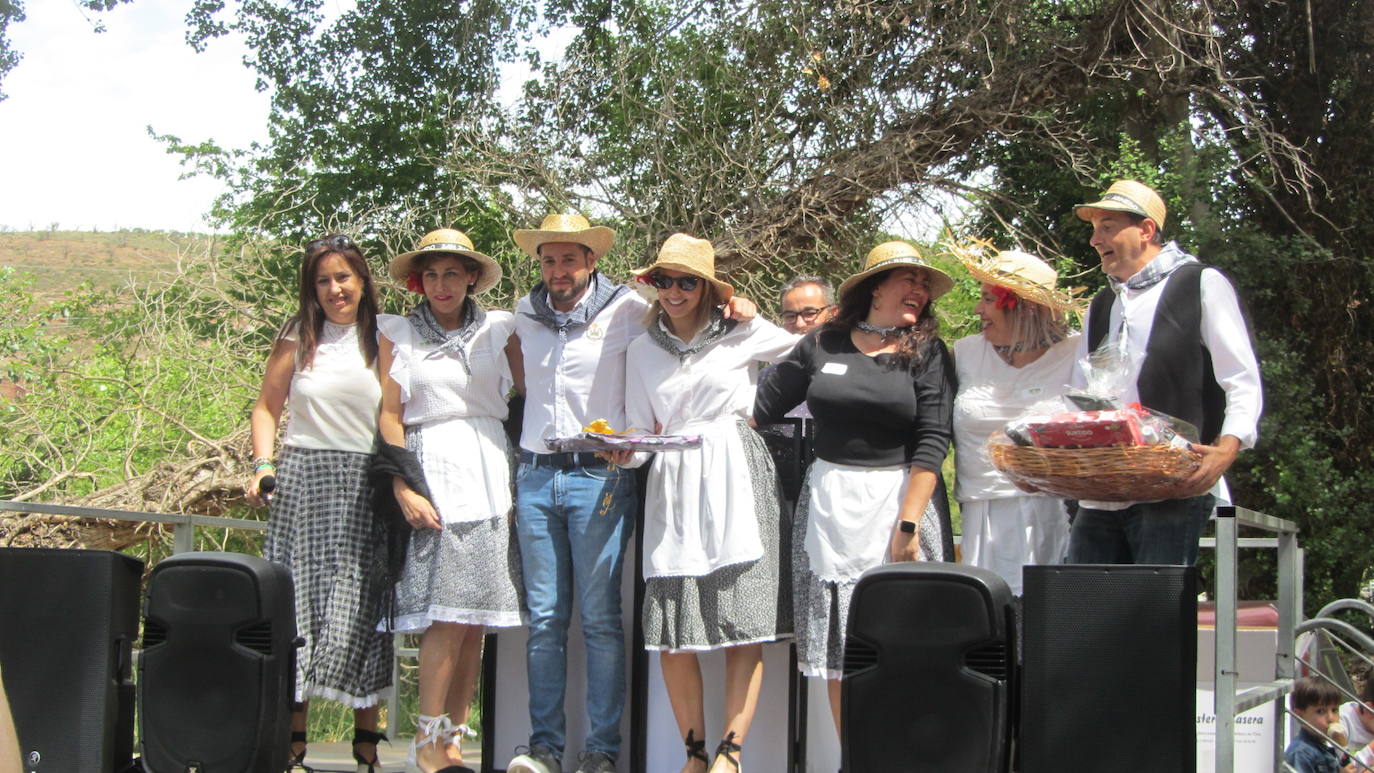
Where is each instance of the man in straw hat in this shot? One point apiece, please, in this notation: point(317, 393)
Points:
point(574, 512)
point(1177, 326)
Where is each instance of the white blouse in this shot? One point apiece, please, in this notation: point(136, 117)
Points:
point(333, 404)
point(435, 387)
point(699, 511)
point(992, 393)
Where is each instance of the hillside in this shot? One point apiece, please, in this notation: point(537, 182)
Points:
point(58, 260)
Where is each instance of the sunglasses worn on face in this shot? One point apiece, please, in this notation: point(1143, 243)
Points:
point(809, 314)
point(333, 242)
point(663, 282)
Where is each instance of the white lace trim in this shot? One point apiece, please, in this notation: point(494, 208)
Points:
point(438, 614)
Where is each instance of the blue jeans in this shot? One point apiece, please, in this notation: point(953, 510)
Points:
point(1164, 532)
point(573, 525)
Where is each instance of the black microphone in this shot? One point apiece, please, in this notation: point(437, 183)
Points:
point(267, 485)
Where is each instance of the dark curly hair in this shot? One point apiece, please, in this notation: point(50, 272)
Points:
point(854, 306)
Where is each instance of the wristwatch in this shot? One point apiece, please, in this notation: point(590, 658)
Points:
point(907, 527)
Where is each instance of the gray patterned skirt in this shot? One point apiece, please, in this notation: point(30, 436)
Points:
point(741, 604)
point(468, 573)
point(822, 606)
point(321, 528)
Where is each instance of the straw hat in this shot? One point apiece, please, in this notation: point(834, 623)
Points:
point(1128, 196)
point(566, 228)
point(1022, 273)
point(896, 254)
point(690, 255)
point(447, 241)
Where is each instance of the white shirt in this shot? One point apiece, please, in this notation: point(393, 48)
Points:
point(333, 404)
point(992, 393)
point(1223, 333)
point(699, 512)
point(575, 378)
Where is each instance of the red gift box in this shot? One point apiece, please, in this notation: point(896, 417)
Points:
point(1086, 429)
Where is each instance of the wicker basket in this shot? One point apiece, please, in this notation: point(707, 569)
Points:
point(1115, 474)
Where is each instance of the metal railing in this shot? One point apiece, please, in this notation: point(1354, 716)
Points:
point(1228, 702)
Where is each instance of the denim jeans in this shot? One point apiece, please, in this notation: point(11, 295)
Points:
point(573, 525)
point(1164, 532)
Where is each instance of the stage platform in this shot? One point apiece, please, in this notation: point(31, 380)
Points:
point(338, 757)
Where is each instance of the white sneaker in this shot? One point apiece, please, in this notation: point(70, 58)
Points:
point(538, 758)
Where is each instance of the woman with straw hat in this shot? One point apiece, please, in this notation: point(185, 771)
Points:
point(445, 378)
point(712, 532)
point(880, 386)
point(323, 372)
point(1023, 356)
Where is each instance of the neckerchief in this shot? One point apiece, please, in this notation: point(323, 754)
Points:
point(448, 341)
point(715, 329)
point(1168, 259)
point(600, 293)
point(885, 332)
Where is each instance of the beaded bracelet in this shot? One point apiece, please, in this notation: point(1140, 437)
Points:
point(262, 463)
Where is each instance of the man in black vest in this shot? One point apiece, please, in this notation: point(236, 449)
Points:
point(1178, 328)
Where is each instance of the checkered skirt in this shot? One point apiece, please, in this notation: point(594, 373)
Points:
point(321, 527)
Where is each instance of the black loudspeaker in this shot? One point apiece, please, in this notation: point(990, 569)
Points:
point(1110, 665)
point(68, 619)
point(217, 675)
point(928, 668)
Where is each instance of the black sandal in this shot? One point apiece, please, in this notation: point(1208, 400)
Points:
point(297, 761)
point(727, 745)
point(696, 750)
point(367, 736)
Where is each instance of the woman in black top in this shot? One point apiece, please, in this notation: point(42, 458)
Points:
point(880, 386)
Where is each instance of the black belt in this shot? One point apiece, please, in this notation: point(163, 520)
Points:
point(563, 460)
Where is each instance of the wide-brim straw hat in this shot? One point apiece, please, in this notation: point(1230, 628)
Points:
point(566, 228)
point(447, 241)
point(1022, 273)
point(689, 255)
point(898, 254)
point(1127, 196)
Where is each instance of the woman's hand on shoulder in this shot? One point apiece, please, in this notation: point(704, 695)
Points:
point(418, 511)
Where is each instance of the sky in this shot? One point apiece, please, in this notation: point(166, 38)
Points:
point(74, 145)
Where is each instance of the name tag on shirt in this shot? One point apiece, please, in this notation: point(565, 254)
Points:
point(835, 368)
point(1033, 393)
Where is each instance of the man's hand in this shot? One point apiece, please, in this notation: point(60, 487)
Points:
point(619, 457)
point(741, 309)
point(1215, 461)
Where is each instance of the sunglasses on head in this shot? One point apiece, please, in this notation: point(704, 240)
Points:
point(686, 283)
point(333, 242)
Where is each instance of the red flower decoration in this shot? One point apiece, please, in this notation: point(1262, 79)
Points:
point(1006, 299)
point(414, 284)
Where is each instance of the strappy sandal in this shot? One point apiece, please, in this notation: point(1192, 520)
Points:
point(367, 736)
point(696, 750)
point(438, 731)
point(297, 761)
point(728, 745)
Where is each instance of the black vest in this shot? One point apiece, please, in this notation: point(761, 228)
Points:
point(1176, 377)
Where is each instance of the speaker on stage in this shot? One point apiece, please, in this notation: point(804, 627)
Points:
point(928, 669)
point(217, 675)
point(69, 621)
point(1109, 672)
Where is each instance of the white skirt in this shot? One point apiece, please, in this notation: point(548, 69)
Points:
point(1003, 535)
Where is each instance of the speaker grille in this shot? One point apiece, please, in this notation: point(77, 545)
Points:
point(154, 633)
point(989, 660)
point(858, 656)
point(256, 637)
